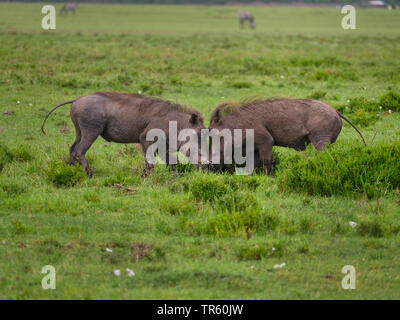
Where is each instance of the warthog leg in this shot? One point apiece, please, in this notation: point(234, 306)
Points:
point(264, 143)
point(265, 153)
point(319, 141)
point(89, 135)
point(145, 145)
point(72, 150)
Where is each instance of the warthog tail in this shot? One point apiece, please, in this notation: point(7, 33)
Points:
point(344, 118)
point(71, 101)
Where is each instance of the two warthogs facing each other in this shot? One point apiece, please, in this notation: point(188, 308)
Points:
point(128, 118)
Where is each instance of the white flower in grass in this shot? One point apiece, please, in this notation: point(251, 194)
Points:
point(130, 272)
point(282, 77)
point(279, 266)
point(352, 224)
point(348, 101)
point(380, 107)
point(18, 102)
point(251, 267)
point(273, 249)
point(140, 92)
point(117, 273)
point(30, 104)
point(108, 250)
point(390, 111)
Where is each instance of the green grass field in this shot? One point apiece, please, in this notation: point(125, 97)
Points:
point(194, 235)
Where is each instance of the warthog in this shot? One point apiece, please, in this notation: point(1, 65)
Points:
point(246, 16)
point(125, 118)
point(292, 123)
point(68, 7)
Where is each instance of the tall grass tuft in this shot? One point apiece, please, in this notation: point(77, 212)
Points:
point(340, 170)
point(8, 155)
point(364, 112)
point(250, 251)
point(390, 100)
point(208, 188)
point(63, 175)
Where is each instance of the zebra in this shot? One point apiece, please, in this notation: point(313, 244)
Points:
point(246, 15)
point(68, 7)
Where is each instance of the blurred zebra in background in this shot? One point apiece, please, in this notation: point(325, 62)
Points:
point(68, 7)
point(246, 15)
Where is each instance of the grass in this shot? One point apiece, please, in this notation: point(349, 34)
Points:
point(373, 171)
point(188, 234)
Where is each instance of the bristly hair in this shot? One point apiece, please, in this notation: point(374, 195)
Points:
point(227, 108)
point(250, 101)
point(148, 101)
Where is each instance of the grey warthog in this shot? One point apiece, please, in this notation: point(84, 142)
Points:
point(292, 123)
point(125, 118)
point(246, 16)
point(68, 7)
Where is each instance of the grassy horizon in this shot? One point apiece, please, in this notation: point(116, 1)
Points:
point(139, 19)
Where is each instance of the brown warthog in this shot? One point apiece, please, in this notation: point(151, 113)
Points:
point(292, 123)
point(126, 118)
point(68, 7)
point(246, 16)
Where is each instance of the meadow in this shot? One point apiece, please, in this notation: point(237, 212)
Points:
point(189, 234)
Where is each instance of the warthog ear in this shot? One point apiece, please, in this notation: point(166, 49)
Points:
point(194, 119)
